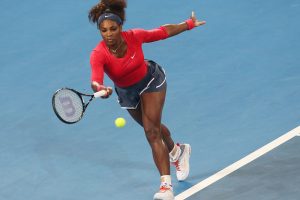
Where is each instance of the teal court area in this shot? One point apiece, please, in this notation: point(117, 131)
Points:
point(233, 87)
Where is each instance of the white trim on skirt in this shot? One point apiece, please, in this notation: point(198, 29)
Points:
point(144, 90)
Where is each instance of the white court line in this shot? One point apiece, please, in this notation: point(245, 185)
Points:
point(226, 171)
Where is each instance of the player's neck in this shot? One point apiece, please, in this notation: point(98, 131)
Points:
point(116, 47)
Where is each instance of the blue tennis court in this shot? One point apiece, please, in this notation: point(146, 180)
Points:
point(233, 87)
point(270, 172)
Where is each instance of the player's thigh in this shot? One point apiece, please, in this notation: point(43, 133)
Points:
point(136, 114)
point(152, 105)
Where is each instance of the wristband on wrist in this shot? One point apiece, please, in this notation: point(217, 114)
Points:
point(190, 23)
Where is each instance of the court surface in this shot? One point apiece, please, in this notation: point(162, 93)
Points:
point(271, 172)
point(233, 87)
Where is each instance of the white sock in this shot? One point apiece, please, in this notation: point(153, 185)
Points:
point(175, 153)
point(166, 180)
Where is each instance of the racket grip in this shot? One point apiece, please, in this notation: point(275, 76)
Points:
point(100, 93)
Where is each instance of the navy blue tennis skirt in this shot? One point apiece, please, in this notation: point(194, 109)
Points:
point(154, 81)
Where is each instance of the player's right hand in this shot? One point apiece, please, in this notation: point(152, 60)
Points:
point(109, 91)
point(98, 87)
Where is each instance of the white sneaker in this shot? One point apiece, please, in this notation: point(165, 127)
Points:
point(183, 163)
point(165, 193)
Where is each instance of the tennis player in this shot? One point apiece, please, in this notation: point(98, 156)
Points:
point(140, 84)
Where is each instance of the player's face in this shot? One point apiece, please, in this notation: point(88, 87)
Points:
point(110, 32)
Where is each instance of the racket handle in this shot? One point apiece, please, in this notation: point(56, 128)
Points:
point(100, 93)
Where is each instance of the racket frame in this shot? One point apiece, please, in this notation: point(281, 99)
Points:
point(84, 105)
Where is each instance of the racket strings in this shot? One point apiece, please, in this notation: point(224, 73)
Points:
point(68, 105)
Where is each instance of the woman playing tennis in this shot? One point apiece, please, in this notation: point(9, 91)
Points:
point(140, 84)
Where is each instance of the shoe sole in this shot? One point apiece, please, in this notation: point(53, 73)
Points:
point(164, 199)
point(169, 198)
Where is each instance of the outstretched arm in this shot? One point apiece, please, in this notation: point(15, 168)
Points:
point(174, 29)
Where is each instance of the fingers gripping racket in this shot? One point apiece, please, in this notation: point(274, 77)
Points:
point(69, 106)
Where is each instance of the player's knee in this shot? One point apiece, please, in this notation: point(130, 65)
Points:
point(152, 134)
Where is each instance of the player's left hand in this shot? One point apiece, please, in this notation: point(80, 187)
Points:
point(196, 22)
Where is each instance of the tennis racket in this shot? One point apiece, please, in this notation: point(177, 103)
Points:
point(69, 106)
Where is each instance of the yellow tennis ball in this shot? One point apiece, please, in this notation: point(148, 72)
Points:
point(120, 122)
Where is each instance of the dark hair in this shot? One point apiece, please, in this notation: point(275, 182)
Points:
point(108, 6)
